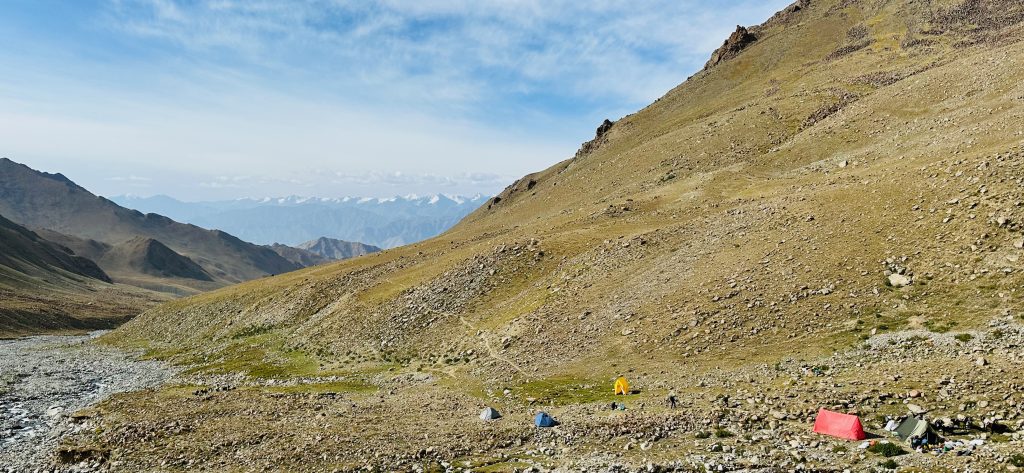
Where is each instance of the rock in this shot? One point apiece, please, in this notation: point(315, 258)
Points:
point(899, 280)
point(736, 43)
point(981, 361)
point(914, 393)
point(916, 409)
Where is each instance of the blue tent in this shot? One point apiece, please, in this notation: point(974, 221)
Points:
point(543, 419)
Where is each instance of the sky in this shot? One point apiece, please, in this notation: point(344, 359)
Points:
point(224, 99)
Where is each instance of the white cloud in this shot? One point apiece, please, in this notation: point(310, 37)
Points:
point(454, 50)
point(398, 96)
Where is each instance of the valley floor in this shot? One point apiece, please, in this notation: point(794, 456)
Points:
point(45, 381)
point(753, 417)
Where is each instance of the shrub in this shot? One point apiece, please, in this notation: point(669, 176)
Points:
point(722, 433)
point(964, 337)
point(890, 464)
point(703, 435)
point(887, 449)
point(1017, 460)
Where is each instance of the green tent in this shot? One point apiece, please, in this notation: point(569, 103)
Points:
point(913, 427)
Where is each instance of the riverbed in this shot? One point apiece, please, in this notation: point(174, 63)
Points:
point(45, 379)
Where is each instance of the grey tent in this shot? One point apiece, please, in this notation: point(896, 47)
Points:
point(489, 413)
point(912, 428)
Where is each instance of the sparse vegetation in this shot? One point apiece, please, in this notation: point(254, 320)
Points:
point(887, 449)
point(963, 337)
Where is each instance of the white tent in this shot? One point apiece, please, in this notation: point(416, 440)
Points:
point(489, 413)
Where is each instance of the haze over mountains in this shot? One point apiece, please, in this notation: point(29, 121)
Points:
point(174, 257)
point(381, 222)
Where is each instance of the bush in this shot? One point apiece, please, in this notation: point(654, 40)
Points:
point(964, 337)
point(1017, 460)
point(890, 464)
point(703, 435)
point(722, 433)
point(887, 449)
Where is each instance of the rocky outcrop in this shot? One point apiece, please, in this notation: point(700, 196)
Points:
point(600, 137)
point(736, 43)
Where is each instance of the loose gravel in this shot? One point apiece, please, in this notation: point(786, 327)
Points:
point(45, 379)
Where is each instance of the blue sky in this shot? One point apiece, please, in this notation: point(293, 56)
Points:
point(211, 99)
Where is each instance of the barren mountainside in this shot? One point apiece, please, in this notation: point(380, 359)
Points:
point(840, 185)
point(45, 286)
point(92, 225)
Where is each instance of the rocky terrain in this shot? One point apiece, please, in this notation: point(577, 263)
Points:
point(829, 215)
point(46, 385)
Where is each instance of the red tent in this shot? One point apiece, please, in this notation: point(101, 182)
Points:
point(844, 426)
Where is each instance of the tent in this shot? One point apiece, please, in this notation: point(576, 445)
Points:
point(844, 426)
point(912, 428)
point(490, 413)
point(543, 419)
point(621, 386)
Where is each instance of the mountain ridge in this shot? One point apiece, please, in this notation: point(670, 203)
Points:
point(336, 250)
point(52, 202)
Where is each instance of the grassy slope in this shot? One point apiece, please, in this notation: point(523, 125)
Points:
point(716, 227)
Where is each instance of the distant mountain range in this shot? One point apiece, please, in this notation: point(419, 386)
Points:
point(384, 223)
point(144, 250)
point(338, 249)
point(323, 250)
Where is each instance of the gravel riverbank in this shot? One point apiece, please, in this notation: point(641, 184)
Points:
point(44, 379)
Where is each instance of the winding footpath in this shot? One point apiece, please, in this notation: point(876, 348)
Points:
point(44, 379)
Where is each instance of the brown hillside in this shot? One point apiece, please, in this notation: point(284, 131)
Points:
point(53, 202)
point(848, 181)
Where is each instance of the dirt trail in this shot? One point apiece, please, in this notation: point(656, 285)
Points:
point(491, 351)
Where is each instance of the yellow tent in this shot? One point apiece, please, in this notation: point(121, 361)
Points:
point(621, 386)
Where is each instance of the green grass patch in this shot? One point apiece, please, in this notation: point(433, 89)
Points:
point(260, 356)
point(887, 449)
point(563, 391)
point(722, 433)
point(963, 337)
point(1017, 460)
point(938, 326)
point(703, 435)
point(889, 464)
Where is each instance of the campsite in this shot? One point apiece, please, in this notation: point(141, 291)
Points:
point(749, 236)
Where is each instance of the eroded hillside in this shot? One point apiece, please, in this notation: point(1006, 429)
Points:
point(852, 171)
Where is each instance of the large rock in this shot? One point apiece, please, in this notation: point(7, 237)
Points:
point(736, 43)
point(899, 280)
